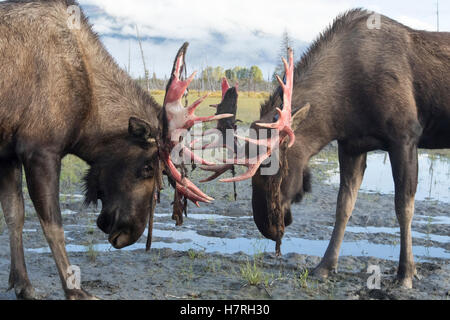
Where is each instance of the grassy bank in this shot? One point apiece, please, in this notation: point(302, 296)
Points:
point(249, 103)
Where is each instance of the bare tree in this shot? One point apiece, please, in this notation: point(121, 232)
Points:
point(437, 14)
point(286, 43)
point(129, 57)
point(146, 73)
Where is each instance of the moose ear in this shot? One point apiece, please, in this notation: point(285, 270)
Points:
point(140, 129)
point(300, 115)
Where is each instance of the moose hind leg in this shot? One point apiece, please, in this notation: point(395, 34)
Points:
point(11, 199)
point(405, 170)
point(351, 173)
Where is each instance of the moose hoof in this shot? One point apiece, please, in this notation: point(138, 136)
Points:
point(25, 293)
point(322, 271)
point(406, 283)
point(80, 295)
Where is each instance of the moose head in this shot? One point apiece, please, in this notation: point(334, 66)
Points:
point(128, 185)
point(273, 194)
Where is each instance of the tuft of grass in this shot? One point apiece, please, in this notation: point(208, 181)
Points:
point(90, 229)
point(90, 244)
point(192, 254)
point(186, 272)
point(213, 265)
point(92, 253)
point(302, 279)
point(253, 274)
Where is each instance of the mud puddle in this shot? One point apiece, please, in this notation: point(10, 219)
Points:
point(434, 174)
point(186, 238)
point(219, 254)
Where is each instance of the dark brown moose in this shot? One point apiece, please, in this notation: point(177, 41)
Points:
point(370, 87)
point(62, 93)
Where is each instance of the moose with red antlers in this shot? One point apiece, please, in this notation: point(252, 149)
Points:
point(369, 89)
point(70, 97)
point(385, 88)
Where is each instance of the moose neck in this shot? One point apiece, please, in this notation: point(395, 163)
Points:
point(319, 82)
point(115, 97)
point(318, 129)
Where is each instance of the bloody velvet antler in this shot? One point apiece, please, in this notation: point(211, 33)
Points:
point(177, 120)
point(282, 125)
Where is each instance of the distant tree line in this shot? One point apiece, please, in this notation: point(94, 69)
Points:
point(210, 79)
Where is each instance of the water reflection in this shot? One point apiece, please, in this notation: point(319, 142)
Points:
point(434, 174)
point(186, 239)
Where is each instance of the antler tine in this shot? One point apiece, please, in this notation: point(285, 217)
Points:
point(218, 169)
point(285, 116)
point(179, 119)
point(189, 188)
point(283, 125)
point(194, 106)
point(225, 87)
point(190, 195)
point(252, 169)
point(196, 159)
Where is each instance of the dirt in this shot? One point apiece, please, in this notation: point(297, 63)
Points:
point(219, 254)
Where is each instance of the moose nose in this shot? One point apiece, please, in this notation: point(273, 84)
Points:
point(105, 222)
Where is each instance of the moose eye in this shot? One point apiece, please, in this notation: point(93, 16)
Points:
point(147, 171)
point(276, 117)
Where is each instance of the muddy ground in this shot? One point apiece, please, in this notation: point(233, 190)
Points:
point(219, 254)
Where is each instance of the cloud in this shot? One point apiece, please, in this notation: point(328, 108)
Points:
point(415, 23)
point(198, 19)
point(230, 33)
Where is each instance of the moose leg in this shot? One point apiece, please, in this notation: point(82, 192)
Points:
point(351, 171)
point(405, 170)
point(11, 198)
point(42, 171)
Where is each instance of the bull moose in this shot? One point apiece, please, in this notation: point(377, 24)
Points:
point(384, 87)
point(62, 93)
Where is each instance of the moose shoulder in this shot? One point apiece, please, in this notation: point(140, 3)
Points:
point(384, 88)
point(60, 93)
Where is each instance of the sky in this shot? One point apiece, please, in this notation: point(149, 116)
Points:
point(233, 32)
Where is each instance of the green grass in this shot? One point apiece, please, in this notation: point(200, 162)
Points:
point(72, 173)
point(302, 279)
point(92, 253)
point(252, 274)
point(186, 272)
point(192, 254)
point(248, 104)
point(74, 169)
point(214, 265)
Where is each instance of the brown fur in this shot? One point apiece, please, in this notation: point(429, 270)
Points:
point(62, 93)
point(387, 89)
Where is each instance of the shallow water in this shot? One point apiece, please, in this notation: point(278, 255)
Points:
point(185, 239)
point(434, 175)
point(432, 220)
point(396, 231)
